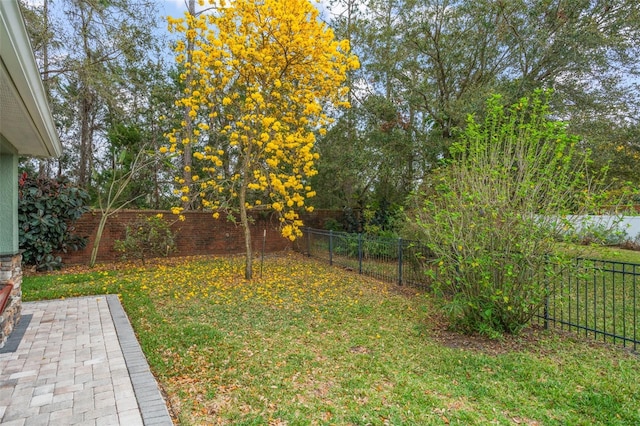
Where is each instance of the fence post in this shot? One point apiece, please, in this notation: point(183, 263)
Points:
point(399, 261)
point(360, 253)
point(308, 231)
point(546, 303)
point(330, 247)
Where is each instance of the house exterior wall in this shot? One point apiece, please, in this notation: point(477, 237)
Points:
point(8, 203)
point(26, 128)
point(10, 258)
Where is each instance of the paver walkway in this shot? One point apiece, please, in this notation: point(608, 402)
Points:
point(78, 362)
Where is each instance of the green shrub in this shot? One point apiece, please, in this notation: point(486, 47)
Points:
point(47, 209)
point(332, 224)
point(604, 234)
point(483, 214)
point(147, 237)
point(381, 219)
point(345, 244)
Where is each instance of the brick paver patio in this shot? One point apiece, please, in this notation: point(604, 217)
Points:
point(77, 362)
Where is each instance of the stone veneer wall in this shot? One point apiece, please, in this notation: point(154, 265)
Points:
point(10, 274)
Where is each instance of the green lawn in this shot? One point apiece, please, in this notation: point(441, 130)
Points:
point(614, 254)
point(308, 344)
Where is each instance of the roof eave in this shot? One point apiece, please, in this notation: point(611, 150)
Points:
point(17, 55)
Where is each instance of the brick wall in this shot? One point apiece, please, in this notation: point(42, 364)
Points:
point(317, 218)
point(198, 234)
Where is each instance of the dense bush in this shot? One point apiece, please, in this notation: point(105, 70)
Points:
point(599, 234)
point(482, 214)
point(47, 209)
point(147, 237)
point(378, 219)
point(631, 243)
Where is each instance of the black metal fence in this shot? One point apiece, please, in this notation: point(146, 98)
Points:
point(392, 260)
point(596, 297)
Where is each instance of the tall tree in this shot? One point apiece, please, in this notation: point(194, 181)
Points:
point(266, 71)
point(88, 52)
point(383, 133)
point(42, 34)
point(344, 167)
point(436, 61)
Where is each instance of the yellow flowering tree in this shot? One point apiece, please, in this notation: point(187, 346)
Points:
point(262, 75)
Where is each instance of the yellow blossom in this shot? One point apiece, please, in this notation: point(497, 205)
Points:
point(240, 72)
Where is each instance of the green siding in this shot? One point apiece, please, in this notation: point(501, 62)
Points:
point(8, 203)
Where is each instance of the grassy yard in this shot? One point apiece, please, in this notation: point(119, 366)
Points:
point(308, 344)
point(614, 254)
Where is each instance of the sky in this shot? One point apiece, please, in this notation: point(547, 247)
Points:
point(172, 7)
point(176, 8)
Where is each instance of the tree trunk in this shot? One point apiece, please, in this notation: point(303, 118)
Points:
point(85, 143)
point(85, 105)
point(96, 242)
point(244, 220)
point(44, 165)
point(188, 128)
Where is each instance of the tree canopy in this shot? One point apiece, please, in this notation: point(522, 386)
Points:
point(427, 64)
point(262, 77)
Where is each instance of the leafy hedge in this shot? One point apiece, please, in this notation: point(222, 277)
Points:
point(147, 237)
point(47, 209)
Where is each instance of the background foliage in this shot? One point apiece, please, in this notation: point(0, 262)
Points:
point(425, 65)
